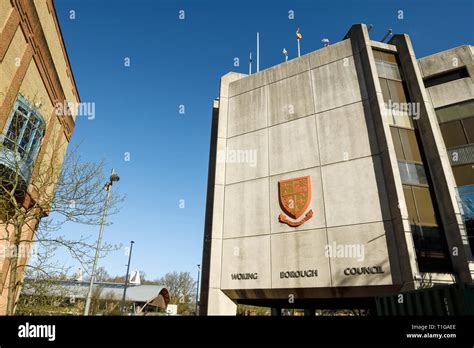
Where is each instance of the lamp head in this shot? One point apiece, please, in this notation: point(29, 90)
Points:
point(114, 177)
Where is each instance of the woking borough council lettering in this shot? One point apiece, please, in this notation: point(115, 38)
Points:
point(244, 276)
point(299, 274)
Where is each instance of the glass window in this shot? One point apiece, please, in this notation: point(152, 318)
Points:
point(397, 93)
point(16, 125)
point(385, 56)
point(464, 175)
point(385, 91)
point(410, 145)
point(400, 119)
point(387, 70)
point(412, 173)
point(397, 114)
point(24, 130)
point(410, 201)
point(397, 143)
point(453, 134)
point(431, 249)
point(466, 197)
point(377, 55)
point(388, 57)
point(424, 205)
point(468, 124)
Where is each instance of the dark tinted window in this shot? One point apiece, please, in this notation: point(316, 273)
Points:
point(468, 124)
point(424, 205)
point(385, 91)
point(453, 133)
point(464, 175)
point(397, 143)
point(410, 145)
point(446, 77)
point(431, 249)
point(410, 201)
point(385, 56)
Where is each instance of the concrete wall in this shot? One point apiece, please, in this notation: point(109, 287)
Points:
point(309, 116)
point(321, 115)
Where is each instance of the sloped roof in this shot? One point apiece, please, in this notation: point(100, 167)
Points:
point(78, 289)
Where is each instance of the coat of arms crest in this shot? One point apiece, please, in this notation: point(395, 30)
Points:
point(295, 196)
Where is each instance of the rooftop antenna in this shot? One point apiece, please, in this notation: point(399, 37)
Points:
point(325, 42)
point(370, 27)
point(389, 33)
point(250, 63)
point(285, 53)
point(258, 51)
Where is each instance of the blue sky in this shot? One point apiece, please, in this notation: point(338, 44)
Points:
point(177, 62)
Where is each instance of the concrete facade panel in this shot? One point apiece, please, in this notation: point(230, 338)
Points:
point(287, 69)
point(452, 92)
point(330, 54)
point(246, 157)
point(446, 60)
point(220, 161)
point(246, 210)
point(220, 304)
point(216, 263)
point(218, 208)
point(247, 111)
point(293, 146)
point(300, 252)
point(246, 258)
point(354, 192)
point(290, 99)
point(359, 246)
point(354, 128)
point(251, 82)
point(336, 84)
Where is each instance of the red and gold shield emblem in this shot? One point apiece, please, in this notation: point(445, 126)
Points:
point(295, 196)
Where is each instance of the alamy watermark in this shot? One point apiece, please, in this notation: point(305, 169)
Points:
point(8, 250)
point(86, 109)
point(356, 251)
point(237, 156)
point(403, 109)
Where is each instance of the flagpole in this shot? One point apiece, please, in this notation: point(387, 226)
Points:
point(258, 51)
point(299, 49)
point(250, 64)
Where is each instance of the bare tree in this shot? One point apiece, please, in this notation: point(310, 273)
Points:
point(38, 196)
point(42, 293)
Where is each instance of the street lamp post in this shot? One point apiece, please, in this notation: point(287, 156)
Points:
point(107, 187)
point(126, 278)
point(197, 289)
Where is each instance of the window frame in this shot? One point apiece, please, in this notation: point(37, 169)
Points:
point(31, 118)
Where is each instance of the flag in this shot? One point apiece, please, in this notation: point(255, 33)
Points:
point(298, 34)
